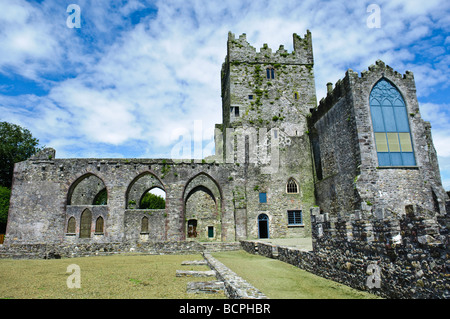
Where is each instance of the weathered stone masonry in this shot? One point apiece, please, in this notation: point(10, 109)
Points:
point(362, 161)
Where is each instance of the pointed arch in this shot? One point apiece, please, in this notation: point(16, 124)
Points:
point(71, 225)
point(144, 225)
point(390, 124)
point(85, 224)
point(140, 185)
point(202, 203)
point(99, 225)
point(86, 190)
point(292, 186)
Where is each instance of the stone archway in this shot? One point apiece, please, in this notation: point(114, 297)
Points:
point(202, 209)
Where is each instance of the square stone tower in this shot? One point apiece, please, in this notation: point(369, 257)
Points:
point(266, 98)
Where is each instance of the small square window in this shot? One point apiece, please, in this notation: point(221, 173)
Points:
point(250, 97)
point(295, 217)
point(263, 197)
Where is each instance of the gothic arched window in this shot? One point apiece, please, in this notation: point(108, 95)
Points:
point(391, 126)
point(99, 225)
point(291, 186)
point(71, 224)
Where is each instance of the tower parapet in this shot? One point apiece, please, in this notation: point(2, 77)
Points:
point(239, 50)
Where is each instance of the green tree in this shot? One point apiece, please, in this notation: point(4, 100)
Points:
point(5, 194)
point(152, 201)
point(16, 145)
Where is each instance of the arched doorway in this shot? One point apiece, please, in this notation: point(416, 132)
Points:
point(192, 228)
point(263, 226)
point(202, 208)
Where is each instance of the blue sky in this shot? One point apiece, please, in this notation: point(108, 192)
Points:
point(137, 75)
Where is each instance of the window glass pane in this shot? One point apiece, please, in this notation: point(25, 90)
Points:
point(405, 142)
point(401, 119)
point(377, 119)
point(262, 197)
point(408, 159)
point(396, 159)
point(268, 73)
point(381, 142)
point(386, 102)
point(272, 71)
point(389, 119)
point(391, 126)
point(398, 102)
point(384, 159)
point(374, 102)
point(394, 145)
point(294, 217)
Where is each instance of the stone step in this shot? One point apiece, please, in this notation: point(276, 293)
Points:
point(206, 287)
point(195, 273)
point(193, 262)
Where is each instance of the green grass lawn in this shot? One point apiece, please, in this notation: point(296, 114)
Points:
point(279, 280)
point(153, 277)
point(119, 276)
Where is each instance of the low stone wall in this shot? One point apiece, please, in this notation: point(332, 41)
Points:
point(55, 251)
point(404, 259)
point(235, 287)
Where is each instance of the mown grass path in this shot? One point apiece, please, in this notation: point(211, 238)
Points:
point(279, 280)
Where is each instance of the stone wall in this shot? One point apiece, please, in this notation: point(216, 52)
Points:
point(345, 152)
point(69, 250)
point(393, 258)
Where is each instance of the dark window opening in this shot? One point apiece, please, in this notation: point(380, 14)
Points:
point(210, 231)
point(270, 73)
point(192, 228)
point(236, 111)
point(263, 226)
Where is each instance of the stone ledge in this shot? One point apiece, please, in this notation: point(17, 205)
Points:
point(205, 287)
point(195, 273)
point(235, 287)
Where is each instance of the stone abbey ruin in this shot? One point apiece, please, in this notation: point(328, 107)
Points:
point(357, 173)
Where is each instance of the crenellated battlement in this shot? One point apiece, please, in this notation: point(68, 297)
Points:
point(240, 51)
point(341, 87)
point(415, 226)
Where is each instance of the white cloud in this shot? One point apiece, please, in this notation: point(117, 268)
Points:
point(140, 85)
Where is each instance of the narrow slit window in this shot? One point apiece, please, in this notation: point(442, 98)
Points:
point(71, 225)
point(144, 224)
